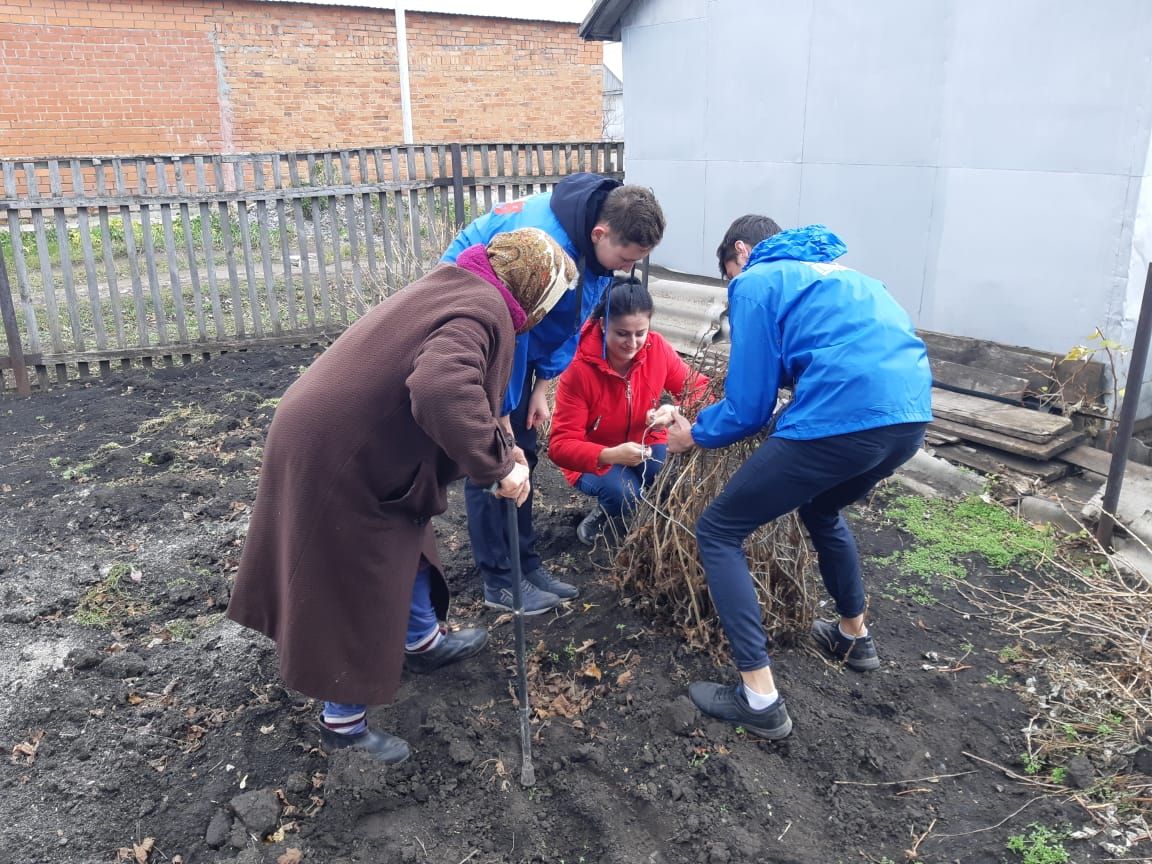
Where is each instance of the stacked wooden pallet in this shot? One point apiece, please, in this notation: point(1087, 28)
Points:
point(1008, 410)
point(997, 438)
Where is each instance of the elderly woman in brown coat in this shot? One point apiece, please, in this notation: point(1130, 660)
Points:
point(340, 566)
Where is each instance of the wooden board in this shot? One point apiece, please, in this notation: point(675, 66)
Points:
point(1098, 462)
point(969, 379)
point(997, 417)
point(990, 461)
point(1048, 374)
point(1007, 443)
point(935, 438)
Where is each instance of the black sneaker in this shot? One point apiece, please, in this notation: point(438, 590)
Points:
point(545, 581)
point(379, 745)
point(455, 646)
point(534, 601)
point(591, 526)
point(729, 704)
point(856, 653)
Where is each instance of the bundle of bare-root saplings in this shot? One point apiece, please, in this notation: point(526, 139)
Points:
point(658, 565)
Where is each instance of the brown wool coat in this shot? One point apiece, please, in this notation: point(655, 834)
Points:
point(358, 457)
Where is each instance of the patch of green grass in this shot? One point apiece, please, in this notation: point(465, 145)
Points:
point(1032, 764)
point(1009, 654)
point(190, 419)
point(1059, 775)
point(1041, 845)
point(110, 601)
point(948, 532)
point(917, 593)
point(997, 680)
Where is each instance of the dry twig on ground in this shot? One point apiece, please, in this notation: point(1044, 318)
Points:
point(1098, 666)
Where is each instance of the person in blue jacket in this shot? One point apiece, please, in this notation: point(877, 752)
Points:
point(605, 226)
point(861, 398)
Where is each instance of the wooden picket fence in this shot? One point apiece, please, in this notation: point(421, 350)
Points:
point(110, 262)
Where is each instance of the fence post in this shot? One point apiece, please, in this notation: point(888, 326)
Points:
point(458, 186)
point(11, 330)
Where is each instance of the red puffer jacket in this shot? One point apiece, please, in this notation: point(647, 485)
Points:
point(596, 407)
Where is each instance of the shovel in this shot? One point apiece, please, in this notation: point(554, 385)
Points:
point(527, 773)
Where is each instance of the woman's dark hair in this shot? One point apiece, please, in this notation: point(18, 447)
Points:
point(625, 296)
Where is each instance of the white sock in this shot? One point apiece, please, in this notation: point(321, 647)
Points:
point(862, 635)
point(760, 701)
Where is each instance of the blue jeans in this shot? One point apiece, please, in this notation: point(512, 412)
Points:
point(487, 519)
point(618, 490)
point(818, 477)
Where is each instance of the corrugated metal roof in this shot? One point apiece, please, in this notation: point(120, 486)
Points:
point(566, 11)
point(691, 311)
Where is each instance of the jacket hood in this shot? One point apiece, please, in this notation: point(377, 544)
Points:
point(576, 202)
point(813, 243)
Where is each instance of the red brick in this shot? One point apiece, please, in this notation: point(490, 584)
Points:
point(133, 76)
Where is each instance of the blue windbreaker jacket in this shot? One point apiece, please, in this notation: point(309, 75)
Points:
point(847, 348)
point(568, 214)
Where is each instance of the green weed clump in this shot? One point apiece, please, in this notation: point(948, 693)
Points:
point(1041, 845)
point(948, 532)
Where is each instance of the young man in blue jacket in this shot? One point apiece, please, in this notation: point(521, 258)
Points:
point(605, 226)
point(861, 398)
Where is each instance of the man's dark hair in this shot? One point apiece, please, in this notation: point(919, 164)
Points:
point(625, 296)
point(633, 214)
point(750, 229)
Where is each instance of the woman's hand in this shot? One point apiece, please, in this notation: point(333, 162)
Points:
point(629, 453)
point(516, 484)
point(680, 435)
point(665, 415)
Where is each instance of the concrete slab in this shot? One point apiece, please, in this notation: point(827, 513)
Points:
point(937, 478)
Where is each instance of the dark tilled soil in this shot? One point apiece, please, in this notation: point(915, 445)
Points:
point(143, 726)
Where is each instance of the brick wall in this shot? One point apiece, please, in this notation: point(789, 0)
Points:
point(79, 77)
point(484, 79)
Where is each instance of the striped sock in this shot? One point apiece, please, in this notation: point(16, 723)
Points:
point(426, 642)
point(344, 719)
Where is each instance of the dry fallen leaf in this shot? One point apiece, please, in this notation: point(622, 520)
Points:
point(623, 678)
point(142, 850)
point(292, 856)
point(592, 670)
point(25, 751)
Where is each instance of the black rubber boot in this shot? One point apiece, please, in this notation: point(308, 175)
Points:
point(455, 646)
point(379, 745)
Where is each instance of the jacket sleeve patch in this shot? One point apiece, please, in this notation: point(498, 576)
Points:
point(509, 207)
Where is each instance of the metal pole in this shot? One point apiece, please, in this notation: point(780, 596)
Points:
point(12, 330)
point(527, 772)
point(1127, 419)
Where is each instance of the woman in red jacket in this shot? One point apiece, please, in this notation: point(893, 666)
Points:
point(608, 429)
